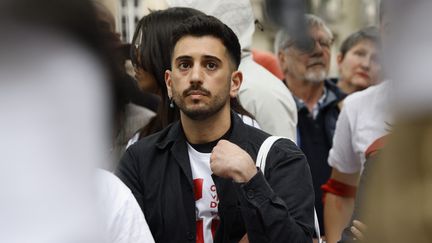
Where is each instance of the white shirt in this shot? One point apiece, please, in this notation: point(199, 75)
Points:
point(206, 198)
point(363, 120)
point(268, 99)
point(124, 220)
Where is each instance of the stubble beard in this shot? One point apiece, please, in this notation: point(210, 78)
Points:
point(315, 76)
point(215, 105)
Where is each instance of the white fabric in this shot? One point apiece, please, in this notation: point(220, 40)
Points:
point(249, 121)
point(54, 132)
point(364, 119)
point(238, 15)
point(206, 204)
point(133, 140)
point(268, 99)
point(408, 61)
point(261, 93)
point(124, 220)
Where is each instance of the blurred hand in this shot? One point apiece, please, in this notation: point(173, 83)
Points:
point(358, 229)
point(230, 161)
point(244, 239)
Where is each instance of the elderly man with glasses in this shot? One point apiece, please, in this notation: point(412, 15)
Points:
point(305, 61)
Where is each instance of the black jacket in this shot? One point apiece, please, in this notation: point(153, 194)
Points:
point(276, 209)
point(315, 138)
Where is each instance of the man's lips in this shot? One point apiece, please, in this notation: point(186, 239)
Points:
point(196, 93)
point(363, 74)
point(316, 64)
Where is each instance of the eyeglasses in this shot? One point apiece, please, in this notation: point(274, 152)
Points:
point(308, 44)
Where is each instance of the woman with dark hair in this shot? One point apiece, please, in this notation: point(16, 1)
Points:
point(358, 60)
point(150, 55)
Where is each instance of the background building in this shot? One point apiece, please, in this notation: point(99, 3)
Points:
point(343, 17)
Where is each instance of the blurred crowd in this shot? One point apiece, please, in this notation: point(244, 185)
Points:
point(166, 151)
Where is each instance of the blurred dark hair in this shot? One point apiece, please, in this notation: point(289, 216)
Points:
point(205, 25)
point(75, 19)
point(370, 33)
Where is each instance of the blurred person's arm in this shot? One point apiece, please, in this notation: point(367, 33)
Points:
point(340, 189)
point(339, 204)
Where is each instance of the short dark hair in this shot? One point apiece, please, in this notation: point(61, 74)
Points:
point(370, 33)
point(205, 25)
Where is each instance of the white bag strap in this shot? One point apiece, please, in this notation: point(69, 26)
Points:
point(317, 229)
point(261, 163)
point(263, 151)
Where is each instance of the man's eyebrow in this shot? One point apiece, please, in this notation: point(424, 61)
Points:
point(184, 57)
point(212, 58)
point(206, 57)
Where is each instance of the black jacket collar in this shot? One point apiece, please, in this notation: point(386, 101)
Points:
point(174, 133)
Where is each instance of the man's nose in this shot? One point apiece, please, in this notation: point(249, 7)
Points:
point(366, 63)
point(318, 50)
point(196, 74)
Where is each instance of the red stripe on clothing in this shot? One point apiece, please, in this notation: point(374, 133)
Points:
point(338, 188)
point(214, 226)
point(198, 188)
point(199, 231)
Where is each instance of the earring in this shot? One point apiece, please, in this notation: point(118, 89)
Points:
point(171, 105)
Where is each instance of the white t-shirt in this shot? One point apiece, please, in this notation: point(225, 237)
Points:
point(363, 121)
point(206, 198)
point(124, 220)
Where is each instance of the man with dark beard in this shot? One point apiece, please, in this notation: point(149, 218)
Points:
point(196, 180)
point(305, 63)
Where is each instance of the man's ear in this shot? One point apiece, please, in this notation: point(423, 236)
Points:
point(168, 82)
point(236, 81)
point(281, 56)
point(339, 59)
